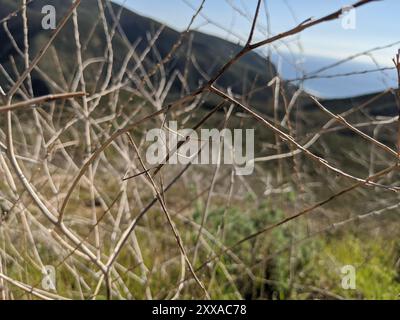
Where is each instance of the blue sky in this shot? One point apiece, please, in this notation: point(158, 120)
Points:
point(376, 25)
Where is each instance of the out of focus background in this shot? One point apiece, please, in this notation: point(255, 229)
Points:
point(85, 215)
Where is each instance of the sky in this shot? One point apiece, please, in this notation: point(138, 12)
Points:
point(374, 25)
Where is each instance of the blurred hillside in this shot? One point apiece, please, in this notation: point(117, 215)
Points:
point(199, 55)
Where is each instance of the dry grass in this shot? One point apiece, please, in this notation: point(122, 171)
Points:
point(173, 232)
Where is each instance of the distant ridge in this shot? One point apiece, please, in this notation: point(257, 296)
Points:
point(209, 52)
